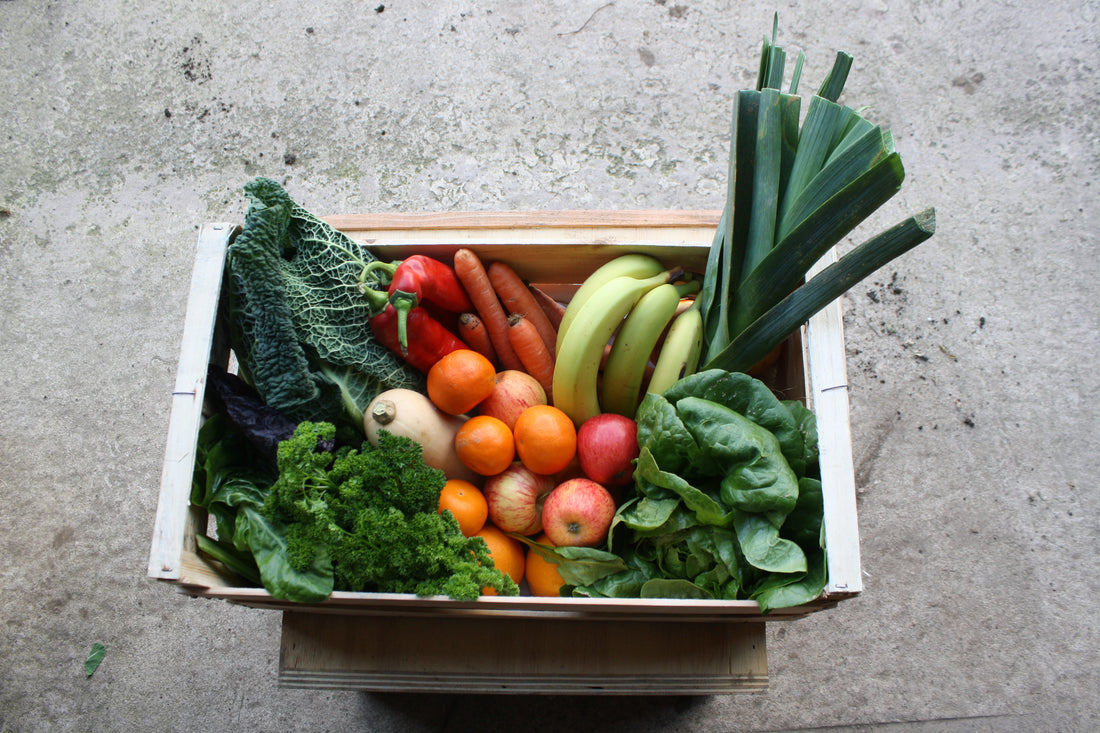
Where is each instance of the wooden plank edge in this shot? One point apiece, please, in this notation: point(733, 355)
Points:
point(385, 604)
point(523, 219)
point(170, 524)
point(524, 684)
point(827, 362)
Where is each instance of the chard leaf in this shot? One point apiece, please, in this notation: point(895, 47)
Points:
point(268, 543)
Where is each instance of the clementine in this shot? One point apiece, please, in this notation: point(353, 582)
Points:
point(543, 578)
point(460, 380)
point(485, 444)
point(467, 503)
point(546, 439)
point(507, 553)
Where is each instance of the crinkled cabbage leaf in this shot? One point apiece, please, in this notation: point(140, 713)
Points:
point(299, 322)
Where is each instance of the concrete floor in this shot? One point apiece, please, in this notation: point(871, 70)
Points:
point(974, 392)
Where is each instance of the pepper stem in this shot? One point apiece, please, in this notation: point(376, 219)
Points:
point(376, 299)
point(385, 268)
point(403, 302)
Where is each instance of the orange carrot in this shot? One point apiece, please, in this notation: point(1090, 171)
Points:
point(473, 333)
point(472, 273)
point(552, 308)
point(531, 350)
point(517, 298)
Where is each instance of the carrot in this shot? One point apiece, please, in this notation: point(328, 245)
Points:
point(472, 273)
point(517, 298)
point(473, 333)
point(531, 350)
point(552, 308)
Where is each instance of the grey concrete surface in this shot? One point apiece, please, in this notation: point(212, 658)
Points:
point(972, 360)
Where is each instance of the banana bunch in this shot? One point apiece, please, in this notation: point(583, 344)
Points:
point(632, 298)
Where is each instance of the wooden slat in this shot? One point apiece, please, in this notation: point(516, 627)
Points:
point(351, 223)
point(529, 656)
point(171, 525)
point(828, 372)
point(408, 605)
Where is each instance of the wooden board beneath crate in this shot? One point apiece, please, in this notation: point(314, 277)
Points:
point(494, 655)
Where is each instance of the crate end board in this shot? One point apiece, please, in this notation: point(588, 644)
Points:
point(521, 656)
point(592, 237)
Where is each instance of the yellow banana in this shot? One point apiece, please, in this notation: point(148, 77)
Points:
point(577, 366)
point(680, 352)
point(634, 265)
point(624, 372)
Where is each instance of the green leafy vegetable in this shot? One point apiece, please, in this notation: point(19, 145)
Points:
point(720, 510)
point(792, 194)
point(330, 516)
point(94, 658)
point(365, 520)
point(300, 322)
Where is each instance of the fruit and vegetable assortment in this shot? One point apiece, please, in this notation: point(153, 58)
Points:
point(439, 426)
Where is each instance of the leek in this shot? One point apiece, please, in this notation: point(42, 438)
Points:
point(792, 194)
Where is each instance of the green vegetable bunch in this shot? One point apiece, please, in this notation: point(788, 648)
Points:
point(300, 324)
point(355, 519)
point(371, 514)
point(728, 501)
point(792, 194)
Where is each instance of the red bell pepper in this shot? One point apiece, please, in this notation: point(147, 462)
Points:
point(422, 281)
point(431, 340)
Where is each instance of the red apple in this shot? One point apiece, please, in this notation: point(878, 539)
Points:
point(514, 392)
point(607, 446)
point(515, 498)
point(578, 513)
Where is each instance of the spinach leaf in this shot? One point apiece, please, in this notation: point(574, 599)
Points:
point(755, 476)
point(764, 548)
point(724, 507)
point(807, 425)
point(785, 590)
point(94, 658)
point(750, 398)
point(673, 588)
point(708, 509)
point(804, 525)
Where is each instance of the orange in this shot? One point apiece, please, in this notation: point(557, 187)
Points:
point(467, 503)
point(546, 439)
point(507, 553)
point(485, 445)
point(460, 380)
point(543, 578)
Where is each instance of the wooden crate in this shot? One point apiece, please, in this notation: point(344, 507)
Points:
point(350, 640)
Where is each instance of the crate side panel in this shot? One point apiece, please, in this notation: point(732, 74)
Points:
point(829, 400)
point(174, 520)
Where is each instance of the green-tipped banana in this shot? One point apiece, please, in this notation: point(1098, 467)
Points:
point(634, 265)
point(576, 369)
point(680, 352)
point(624, 372)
